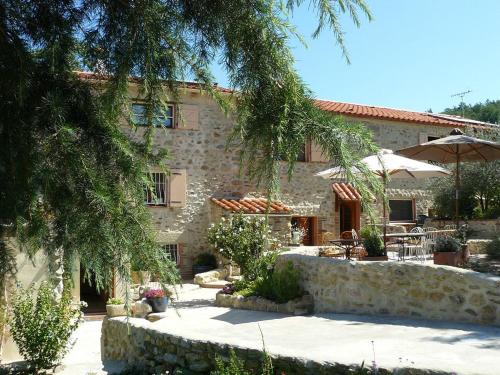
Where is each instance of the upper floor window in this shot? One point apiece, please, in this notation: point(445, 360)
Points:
point(164, 118)
point(156, 192)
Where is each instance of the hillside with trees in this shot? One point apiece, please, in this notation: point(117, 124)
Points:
point(489, 111)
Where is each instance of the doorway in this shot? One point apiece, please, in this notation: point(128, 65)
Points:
point(350, 212)
point(96, 301)
point(309, 226)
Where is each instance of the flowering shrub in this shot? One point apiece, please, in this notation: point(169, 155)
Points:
point(156, 293)
point(228, 289)
point(242, 239)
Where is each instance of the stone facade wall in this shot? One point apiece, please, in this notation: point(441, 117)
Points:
point(212, 170)
point(397, 288)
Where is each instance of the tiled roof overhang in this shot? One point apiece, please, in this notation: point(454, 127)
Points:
point(251, 205)
point(346, 192)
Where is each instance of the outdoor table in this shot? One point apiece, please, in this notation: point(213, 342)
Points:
point(347, 244)
point(402, 237)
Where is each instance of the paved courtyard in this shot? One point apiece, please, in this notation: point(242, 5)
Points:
point(341, 338)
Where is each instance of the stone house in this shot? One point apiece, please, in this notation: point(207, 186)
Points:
point(205, 182)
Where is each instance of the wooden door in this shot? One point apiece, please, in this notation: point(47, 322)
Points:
point(349, 216)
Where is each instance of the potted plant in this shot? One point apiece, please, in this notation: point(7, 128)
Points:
point(157, 299)
point(373, 244)
point(115, 307)
point(461, 235)
point(204, 262)
point(447, 251)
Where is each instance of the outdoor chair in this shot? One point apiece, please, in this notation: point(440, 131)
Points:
point(415, 241)
point(358, 251)
point(327, 237)
point(450, 227)
point(419, 249)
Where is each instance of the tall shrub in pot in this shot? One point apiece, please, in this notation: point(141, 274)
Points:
point(373, 244)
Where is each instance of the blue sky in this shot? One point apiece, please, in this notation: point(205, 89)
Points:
point(413, 55)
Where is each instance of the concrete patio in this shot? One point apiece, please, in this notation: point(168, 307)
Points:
point(340, 338)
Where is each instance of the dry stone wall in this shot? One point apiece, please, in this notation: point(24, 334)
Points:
point(397, 288)
point(145, 346)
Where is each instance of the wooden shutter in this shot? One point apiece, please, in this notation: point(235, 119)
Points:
point(188, 117)
point(315, 153)
point(177, 188)
point(422, 138)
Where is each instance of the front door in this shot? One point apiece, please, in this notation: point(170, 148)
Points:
point(349, 215)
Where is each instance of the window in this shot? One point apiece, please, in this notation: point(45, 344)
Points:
point(172, 251)
point(156, 192)
point(401, 210)
point(165, 118)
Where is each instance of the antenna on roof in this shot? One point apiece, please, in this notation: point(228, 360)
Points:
point(462, 104)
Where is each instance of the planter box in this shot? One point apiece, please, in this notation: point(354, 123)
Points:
point(376, 259)
point(115, 310)
point(448, 258)
point(301, 306)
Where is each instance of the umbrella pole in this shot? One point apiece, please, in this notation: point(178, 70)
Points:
point(457, 189)
point(385, 220)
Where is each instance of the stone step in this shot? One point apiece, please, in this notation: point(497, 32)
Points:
point(234, 278)
point(219, 284)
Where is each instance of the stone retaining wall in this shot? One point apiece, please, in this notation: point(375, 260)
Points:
point(481, 228)
point(143, 345)
point(397, 288)
point(300, 306)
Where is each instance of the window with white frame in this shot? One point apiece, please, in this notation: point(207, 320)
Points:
point(156, 192)
point(162, 118)
point(172, 251)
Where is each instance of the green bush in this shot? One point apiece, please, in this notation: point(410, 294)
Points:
point(446, 244)
point(286, 283)
point(115, 301)
point(242, 239)
point(372, 242)
point(235, 366)
point(41, 326)
point(493, 249)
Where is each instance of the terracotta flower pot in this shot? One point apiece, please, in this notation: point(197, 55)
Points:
point(115, 310)
point(376, 259)
point(447, 258)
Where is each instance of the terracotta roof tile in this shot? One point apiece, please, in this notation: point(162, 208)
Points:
point(367, 111)
point(346, 191)
point(182, 84)
point(346, 109)
point(251, 205)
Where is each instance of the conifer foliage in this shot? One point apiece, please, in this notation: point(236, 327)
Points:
point(71, 181)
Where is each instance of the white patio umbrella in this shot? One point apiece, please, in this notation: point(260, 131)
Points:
point(387, 164)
